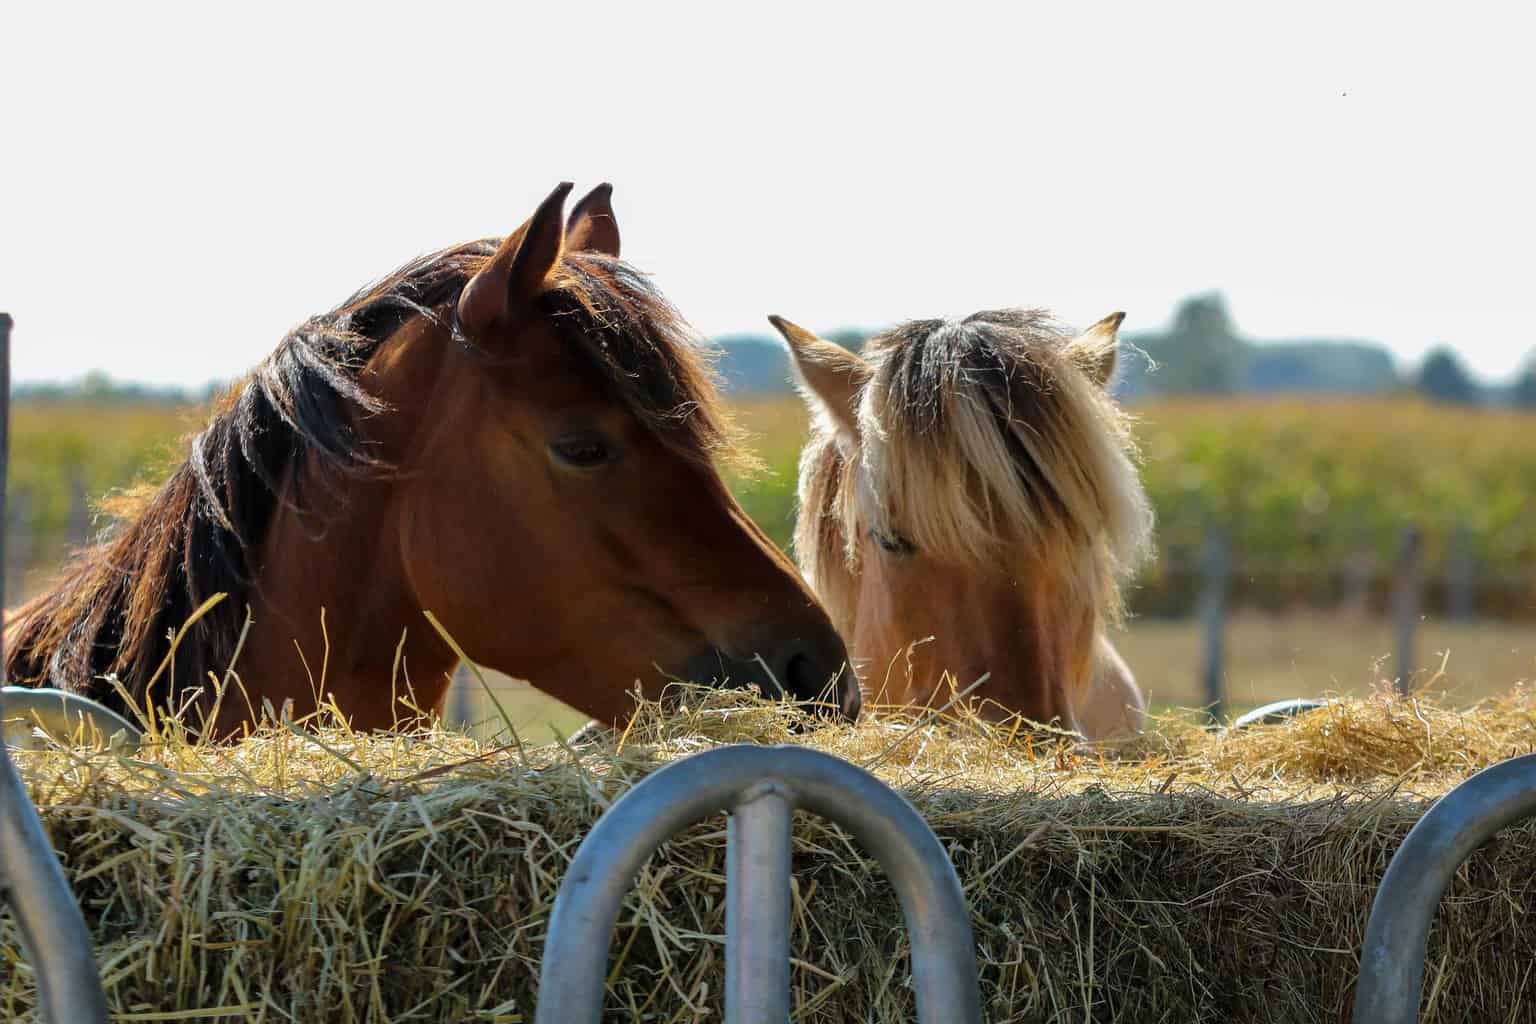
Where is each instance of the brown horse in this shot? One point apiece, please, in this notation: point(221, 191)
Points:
point(518, 438)
point(970, 504)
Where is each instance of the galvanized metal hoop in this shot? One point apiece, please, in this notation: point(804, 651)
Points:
point(1397, 934)
point(1278, 711)
point(53, 931)
point(760, 787)
point(62, 715)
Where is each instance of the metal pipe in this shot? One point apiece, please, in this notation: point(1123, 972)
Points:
point(53, 932)
point(757, 907)
point(945, 982)
point(1278, 711)
point(1405, 605)
point(64, 716)
point(1397, 934)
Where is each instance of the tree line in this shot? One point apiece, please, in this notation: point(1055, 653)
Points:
point(1199, 353)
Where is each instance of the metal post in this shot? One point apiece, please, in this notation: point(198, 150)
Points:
point(757, 907)
point(1217, 569)
point(78, 530)
point(1397, 934)
point(1461, 581)
point(736, 778)
point(53, 932)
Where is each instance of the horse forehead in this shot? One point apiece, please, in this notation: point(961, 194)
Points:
point(552, 377)
point(531, 363)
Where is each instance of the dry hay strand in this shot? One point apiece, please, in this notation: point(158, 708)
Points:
point(1192, 876)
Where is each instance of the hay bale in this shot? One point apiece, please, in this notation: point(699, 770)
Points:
point(1193, 877)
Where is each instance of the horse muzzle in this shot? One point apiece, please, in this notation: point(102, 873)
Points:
point(801, 670)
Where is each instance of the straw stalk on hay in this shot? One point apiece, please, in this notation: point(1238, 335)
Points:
point(409, 877)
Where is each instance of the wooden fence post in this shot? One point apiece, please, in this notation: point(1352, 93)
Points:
point(1216, 567)
point(1461, 581)
point(18, 536)
point(1405, 604)
point(78, 528)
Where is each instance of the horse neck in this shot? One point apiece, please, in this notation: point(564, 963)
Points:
point(332, 607)
point(341, 557)
point(1051, 664)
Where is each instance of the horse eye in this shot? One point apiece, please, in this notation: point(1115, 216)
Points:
point(893, 543)
point(582, 451)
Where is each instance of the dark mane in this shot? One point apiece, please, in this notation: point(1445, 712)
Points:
point(198, 535)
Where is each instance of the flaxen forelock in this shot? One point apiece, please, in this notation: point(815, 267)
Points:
point(980, 439)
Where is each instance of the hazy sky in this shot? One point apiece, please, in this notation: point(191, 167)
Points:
point(180, 185)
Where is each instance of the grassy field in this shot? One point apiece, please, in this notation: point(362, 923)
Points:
point(1314, 480)
point(65, 456)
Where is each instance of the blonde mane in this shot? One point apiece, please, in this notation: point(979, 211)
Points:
point(983, 441)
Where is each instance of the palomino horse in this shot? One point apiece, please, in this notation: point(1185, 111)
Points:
point(969, 503)
point(518, 438)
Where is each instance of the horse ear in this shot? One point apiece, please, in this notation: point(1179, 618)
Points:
point(830, 372)
point(593, 227)
point(520, 268)
point(1097, 349)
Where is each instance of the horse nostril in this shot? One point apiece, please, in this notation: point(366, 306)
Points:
point(799, 678)
point(807, 678)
